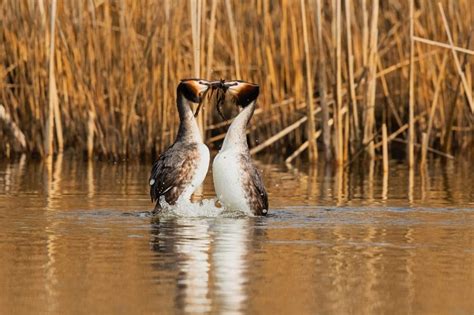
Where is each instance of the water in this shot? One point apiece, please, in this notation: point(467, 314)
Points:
point(75, 238)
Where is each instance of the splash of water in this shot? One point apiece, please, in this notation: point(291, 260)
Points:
point(207, 208)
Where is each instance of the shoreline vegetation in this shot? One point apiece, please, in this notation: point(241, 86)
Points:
point(365, 79)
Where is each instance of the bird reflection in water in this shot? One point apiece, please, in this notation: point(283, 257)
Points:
point(210, 258)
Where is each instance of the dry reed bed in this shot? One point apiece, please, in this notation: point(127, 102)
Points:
point(111, 88)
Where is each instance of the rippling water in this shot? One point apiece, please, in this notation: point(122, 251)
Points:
point(75, 238)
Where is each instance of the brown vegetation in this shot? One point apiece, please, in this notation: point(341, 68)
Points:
point(355, 65)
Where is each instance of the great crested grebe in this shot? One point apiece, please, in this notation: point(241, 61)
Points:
point(237, 182)
point(180, 170)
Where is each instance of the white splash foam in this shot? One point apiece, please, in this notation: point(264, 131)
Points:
point(186, 208)
point(204, 208)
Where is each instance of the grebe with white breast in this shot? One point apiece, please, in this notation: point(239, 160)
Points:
point(237, 182)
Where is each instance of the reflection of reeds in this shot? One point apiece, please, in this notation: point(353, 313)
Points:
point(115, 65)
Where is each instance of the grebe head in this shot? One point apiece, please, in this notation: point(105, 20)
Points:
point(238, 92)
point(194, 91)
point(243, 93)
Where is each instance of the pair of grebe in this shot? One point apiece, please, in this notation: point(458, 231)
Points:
point(181, 169)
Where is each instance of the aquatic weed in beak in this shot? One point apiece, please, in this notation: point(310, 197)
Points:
point(202, 96)
point(217, 94)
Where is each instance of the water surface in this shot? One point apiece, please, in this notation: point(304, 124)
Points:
point(75, 238)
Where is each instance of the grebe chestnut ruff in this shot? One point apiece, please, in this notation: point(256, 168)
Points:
point(181, 169)
point(237, 182)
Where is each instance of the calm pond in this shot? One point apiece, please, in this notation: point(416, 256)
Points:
point(75, 239)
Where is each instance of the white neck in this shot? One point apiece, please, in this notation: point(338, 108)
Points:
point(236, 138)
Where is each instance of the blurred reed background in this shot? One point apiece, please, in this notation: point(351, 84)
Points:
point(365, 78)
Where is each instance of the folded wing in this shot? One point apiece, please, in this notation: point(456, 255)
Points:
point(258, 196)
point(172, 172)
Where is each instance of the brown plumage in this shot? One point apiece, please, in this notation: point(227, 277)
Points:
point(172, 172)
point(252, 179)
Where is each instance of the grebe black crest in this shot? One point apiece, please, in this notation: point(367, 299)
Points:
point(237, 181)
point(181, 169)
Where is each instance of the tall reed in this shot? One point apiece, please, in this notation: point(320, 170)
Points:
point(114, 67)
